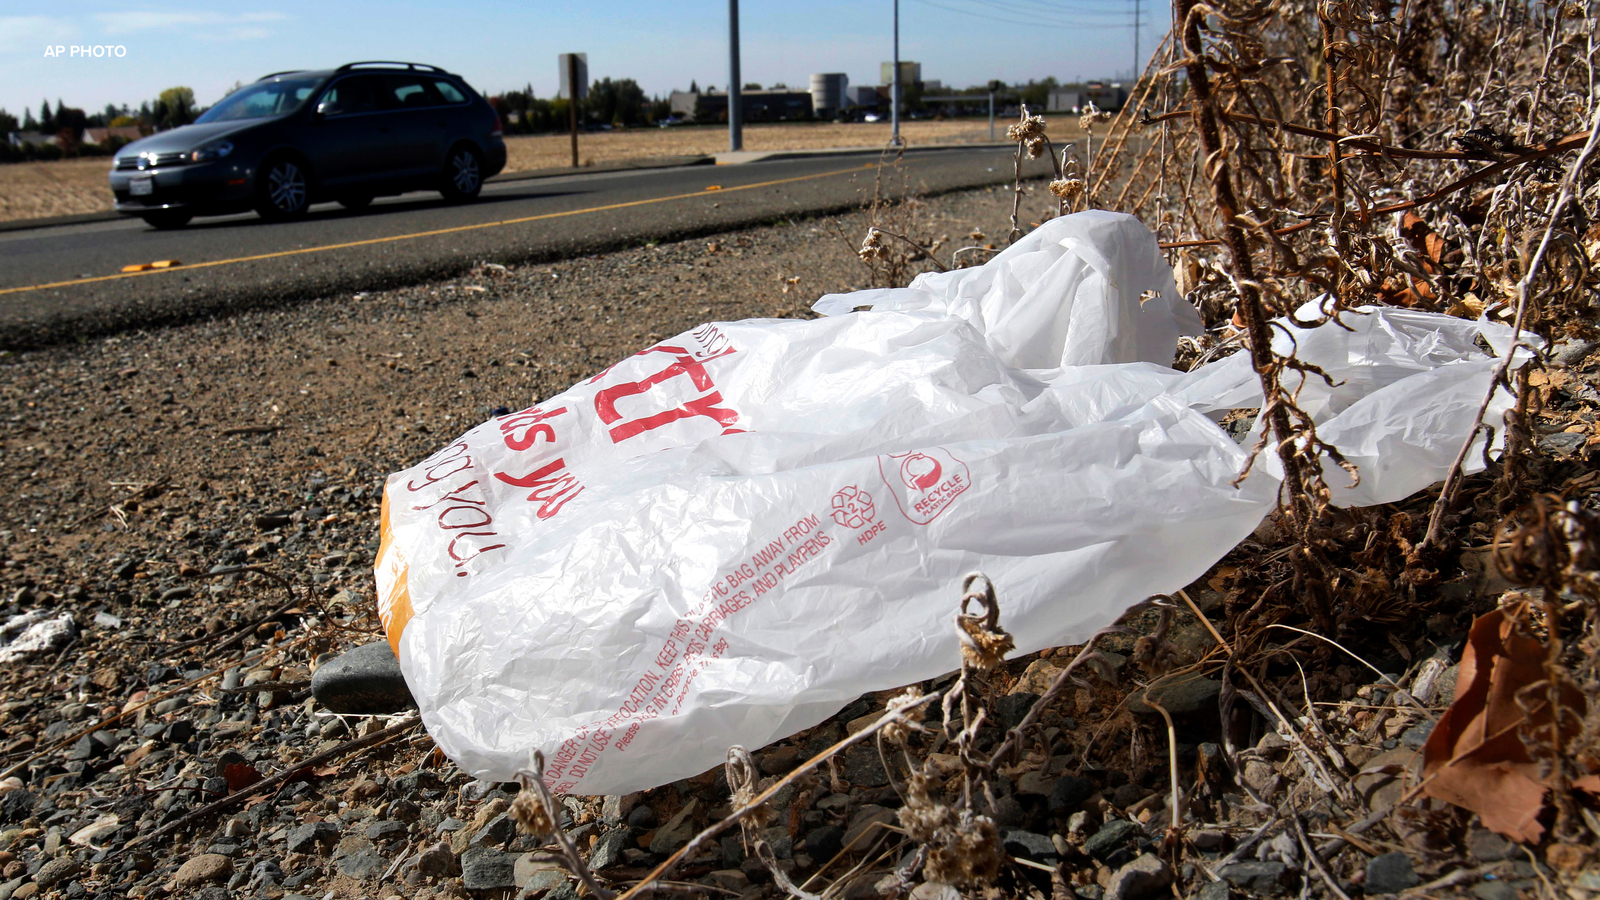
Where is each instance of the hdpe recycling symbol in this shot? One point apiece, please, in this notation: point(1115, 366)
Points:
point(852, 507)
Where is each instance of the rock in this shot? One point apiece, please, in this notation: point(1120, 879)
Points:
point(1111, 837)
point(779, 760)
point(1417, 735)
point(533, 877)
point(487, 869)
point(436, 861)
point(642, 817)
point(1569, 352)
point(863, 767)
point(1486, 846)
point(362, 681)
point(1386, 777)
point(824, 843)
point(385, 830)
point(362, 862)
point(732, 851)
point(309, 838)
point(615, 806)
point(1213, 890)
point(1069, 793)
point(1145, 877)
point(864, 824)
point(1562, 442)
point(608, 849)
point(566, 890)
point(1390, 873)
point(1254, 875)
point(1129, 794)
point(1037, 677)
point(496, 832)
point(677, 832)
point(203, 869)
point(1182, 697)
point(728, 879)
point(1261, 777)
point(1028, 845)
point(1013, 708)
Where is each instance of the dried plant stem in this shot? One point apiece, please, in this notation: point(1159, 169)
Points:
point(1175, 825)
point(1454, 476)
point(733, 818)
point(1299, 474)
point(574, 861)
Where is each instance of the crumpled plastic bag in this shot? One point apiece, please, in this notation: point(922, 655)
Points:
point(730, 535)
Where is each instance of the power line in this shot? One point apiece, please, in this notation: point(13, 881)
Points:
point(1013, 8)
point(1036, 23)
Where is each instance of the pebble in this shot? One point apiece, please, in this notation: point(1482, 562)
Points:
point(642, 817)
point(363, 681)
point(202, 869)
point(1255, 875)
point(607, 850)
point(1028, 845)
point(824, 843)
point(1012, 708)
point(1181, 697)
point(1110, 838)
point(309, 838)
point(1562, 442)
point(1069, 792)
point(487, 869)
point(1390, 873)
point(677, 832)
point(1143, 878)
point(1213, 890)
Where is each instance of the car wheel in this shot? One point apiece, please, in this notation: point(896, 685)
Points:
point(360, 202)
point(283, 189)
point(167, 218)
point(463, 175)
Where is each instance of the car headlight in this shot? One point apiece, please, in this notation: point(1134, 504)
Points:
point(212, 151)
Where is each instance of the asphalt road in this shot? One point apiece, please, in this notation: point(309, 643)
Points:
point(66, 283)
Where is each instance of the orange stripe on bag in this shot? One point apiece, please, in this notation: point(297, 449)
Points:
point(394, 598)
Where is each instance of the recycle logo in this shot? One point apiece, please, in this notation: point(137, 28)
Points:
point(852, 507)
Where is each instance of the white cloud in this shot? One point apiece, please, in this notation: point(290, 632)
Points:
point(146, 20)
point(23, 33)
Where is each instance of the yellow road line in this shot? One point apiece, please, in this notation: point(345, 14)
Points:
point(421, 234)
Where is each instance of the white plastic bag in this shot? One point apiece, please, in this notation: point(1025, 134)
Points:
point(727, 537)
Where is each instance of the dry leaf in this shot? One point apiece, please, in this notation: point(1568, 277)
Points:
point(240, 776)
point(1475, 757)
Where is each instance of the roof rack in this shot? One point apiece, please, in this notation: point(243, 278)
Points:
point(276, 74)
point(423, 67)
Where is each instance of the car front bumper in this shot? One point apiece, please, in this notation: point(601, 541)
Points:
point(201, 187)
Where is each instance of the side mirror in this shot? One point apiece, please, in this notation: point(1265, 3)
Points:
point(322, 110)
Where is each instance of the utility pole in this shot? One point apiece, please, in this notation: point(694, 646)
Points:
point(894, 86)
point(735, 86)
point(995, 86)
point(572, 103)
point(1134, 81)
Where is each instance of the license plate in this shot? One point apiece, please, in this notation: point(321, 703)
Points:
point(141, 187)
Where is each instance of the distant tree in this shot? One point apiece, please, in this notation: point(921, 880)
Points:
point(8, 122)
point(28, 123)
point(123, 121)
point(619, 102)
point(47, 119)
point(174, 107)
point(660, 110)
point(1037, 93)
point(69, 119)
point(694, 88)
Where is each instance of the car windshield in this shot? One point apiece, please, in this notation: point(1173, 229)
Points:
point(262, 99)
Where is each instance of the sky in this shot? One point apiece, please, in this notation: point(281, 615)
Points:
point(662, 44)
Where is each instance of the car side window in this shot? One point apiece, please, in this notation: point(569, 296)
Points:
point(409, 92)
point(449, 92)
point(349, 96)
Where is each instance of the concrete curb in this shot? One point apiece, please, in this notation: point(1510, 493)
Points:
point(655, 162)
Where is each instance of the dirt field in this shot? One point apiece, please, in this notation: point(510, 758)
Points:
point(70, 187)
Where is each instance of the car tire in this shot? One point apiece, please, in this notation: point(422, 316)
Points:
point(283, 189)
point(167, 219)
point(462, 178)
point(358, 202)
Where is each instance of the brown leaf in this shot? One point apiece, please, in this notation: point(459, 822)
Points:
point(240, 776)
point(1475, 757)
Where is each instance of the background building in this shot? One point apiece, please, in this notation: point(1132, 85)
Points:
point(776, 105)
